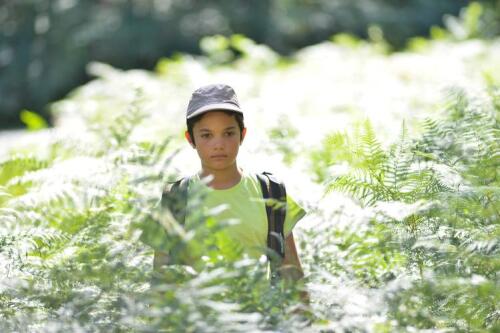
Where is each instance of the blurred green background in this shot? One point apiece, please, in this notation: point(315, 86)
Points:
point(45, 45)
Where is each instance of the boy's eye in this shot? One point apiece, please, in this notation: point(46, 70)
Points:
point(205, 135)
point(231, 133)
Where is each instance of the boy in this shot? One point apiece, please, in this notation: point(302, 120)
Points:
point(215, 128)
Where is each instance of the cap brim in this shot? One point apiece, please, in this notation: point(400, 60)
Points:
point(213, 107)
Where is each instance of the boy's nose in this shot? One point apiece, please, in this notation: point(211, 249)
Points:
point(218, 144)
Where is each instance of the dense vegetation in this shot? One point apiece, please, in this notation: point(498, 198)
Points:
point(45, 45)
point(399, 176)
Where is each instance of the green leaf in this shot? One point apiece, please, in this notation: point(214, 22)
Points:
point(32, 120)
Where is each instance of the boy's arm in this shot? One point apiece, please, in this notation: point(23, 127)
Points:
point(291, 270)
point(290, 267)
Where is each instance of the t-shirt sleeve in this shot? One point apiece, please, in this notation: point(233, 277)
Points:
point(294, 212)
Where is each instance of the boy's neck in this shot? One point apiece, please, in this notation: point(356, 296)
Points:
point(223, 179)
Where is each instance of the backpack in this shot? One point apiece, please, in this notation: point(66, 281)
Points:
point(175, 199)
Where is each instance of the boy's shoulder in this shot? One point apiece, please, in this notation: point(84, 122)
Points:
point(185, 183)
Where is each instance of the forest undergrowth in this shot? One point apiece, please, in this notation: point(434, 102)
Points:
point(403, 231)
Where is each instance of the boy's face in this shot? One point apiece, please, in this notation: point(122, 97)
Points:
point(217, 138)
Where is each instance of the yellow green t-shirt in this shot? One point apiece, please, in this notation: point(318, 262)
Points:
point(244, 206)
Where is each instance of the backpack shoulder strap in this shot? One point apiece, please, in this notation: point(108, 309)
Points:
point(174, 197)
point(274, 189)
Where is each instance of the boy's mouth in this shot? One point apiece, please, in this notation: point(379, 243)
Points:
point(218, 156)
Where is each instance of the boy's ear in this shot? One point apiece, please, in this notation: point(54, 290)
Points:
point(188, 137)
point(243, 133)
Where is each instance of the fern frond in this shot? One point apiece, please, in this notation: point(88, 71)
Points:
point(372, 153)
point(360, 184)
point(335, 149)
point(397, 168)
point(18, 165)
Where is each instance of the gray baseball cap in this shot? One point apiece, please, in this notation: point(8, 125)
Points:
point(213, 97)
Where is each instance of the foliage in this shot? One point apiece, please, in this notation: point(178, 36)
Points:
point(36, 37)
point(477, 20)
point(283, 140)
point(32, 120)
point(404, 239)
point(76, 254)
point(454, 241)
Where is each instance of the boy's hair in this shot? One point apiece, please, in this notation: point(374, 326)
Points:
point(238, 116)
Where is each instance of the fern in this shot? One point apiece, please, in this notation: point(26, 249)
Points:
point(79, 262)
point(454, 166)
point(19, 164)
point(13, 167)
point(465, 259)
point(118, 131)
point(380, 176)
